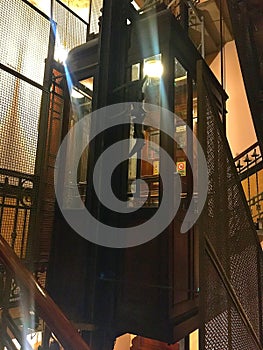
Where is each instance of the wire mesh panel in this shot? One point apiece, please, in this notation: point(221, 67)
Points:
point(224, 327)
point(71, 31)
point(96, 7)
point(24, 40)
point(230, 262)
point(24, 36)
point(19, 117)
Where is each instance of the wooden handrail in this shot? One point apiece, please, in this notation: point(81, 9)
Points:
point(56, 321)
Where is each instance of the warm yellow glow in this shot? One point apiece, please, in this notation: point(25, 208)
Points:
point(124, 342)
point(82, 12)
point(184, 77)
point(34, 339)
point(42, 5)
point(88, 83)
point(153, 68)
point(194, 340)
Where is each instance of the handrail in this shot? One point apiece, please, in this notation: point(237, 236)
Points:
point(246, 151)
point(56, 321)
point(249, 161)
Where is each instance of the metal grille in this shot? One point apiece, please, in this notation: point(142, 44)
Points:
point(249, 166)
point(24, 35)
point(24, 40)
point(16, 206)
point(19, 116)
point(231, 277)
point(224, 327)
point(70, 32)
point(96, 6)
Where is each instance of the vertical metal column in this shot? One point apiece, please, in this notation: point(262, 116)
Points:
point(111, 73)
point(43, 130)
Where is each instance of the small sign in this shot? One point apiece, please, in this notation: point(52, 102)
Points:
point(181, 168)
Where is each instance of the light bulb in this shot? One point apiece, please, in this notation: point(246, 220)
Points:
point(153, 69)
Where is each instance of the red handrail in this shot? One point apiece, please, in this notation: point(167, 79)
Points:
point(56, 321)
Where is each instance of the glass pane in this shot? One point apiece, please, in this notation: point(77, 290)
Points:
point(135, 72)
point(153, 69)
point(180, 109)
point(180, 90)
point(147, 168)
point(81, 103)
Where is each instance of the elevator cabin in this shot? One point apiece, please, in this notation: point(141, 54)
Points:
point(150, 289)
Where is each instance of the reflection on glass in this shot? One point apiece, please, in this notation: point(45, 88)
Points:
point(148, 169)
point(81, 105)
point(180, 109)
point(153, 69)
point(180, 90)
point(135, 72)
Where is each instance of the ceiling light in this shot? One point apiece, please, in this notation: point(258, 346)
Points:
point(153, 68)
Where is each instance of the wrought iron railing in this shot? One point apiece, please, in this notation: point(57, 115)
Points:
point(249, 161)
point(17, 203)
point(249, 165)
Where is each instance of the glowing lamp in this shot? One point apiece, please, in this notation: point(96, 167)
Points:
point(153, 68)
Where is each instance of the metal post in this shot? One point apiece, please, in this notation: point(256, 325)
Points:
point(42, 138)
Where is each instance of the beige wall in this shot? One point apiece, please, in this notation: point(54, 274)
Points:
point(240, 130)
point(194, 339)
point(124, 341)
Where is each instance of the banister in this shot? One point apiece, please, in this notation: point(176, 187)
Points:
point(246, 151)
point(56, 321)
